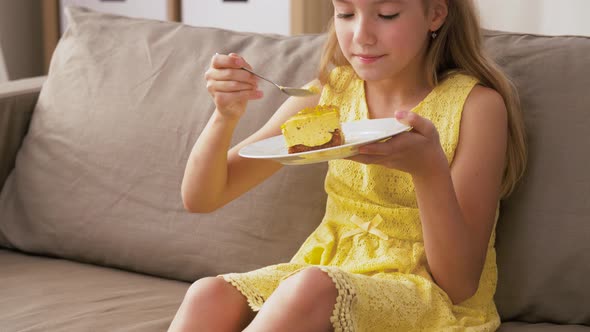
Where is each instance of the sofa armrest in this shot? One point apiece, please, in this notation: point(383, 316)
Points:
point(17, 102)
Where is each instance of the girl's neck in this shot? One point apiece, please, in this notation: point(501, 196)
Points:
point(400, 93)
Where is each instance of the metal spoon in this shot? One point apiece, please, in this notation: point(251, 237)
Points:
point(295, 92)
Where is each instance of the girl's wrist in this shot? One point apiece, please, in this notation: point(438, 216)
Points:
point(226, 117)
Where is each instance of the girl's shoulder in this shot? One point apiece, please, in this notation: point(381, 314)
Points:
point(474, 89)
point(456, 79)
point(474, 96)
point(455, 88)
point(460, 93)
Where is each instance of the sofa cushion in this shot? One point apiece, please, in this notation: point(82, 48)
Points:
point(98, 176)
point(44, 294)
point(542, 235)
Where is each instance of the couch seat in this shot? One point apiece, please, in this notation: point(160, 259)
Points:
point(526, 327)
point(46, 294)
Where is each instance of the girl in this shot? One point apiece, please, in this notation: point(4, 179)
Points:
point(406, 243)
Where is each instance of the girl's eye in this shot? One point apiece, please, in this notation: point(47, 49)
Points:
point(389, 17)
point(344, 16)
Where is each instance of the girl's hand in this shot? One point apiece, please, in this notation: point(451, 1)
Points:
point(230, 86)
point(415, 152)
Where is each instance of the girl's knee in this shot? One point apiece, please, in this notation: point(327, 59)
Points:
point(213, 304)
point(209, 289)
point(310, 285)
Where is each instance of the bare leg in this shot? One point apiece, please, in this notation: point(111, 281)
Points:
point(303, 302)
point(212, 304)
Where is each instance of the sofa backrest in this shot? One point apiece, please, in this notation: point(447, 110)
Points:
point(98, 176)
point(542, 243)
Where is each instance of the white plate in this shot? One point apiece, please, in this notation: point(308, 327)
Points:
point(356, 133)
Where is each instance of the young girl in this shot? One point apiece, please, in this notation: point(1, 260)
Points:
point(406, 243)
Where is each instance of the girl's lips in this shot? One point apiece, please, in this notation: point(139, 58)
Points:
point(367, 59)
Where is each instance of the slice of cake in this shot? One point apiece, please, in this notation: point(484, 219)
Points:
point(313, 128)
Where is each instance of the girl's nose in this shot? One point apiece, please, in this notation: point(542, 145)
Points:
point(364, 33)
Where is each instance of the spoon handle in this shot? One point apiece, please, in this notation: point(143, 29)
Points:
point(264, 78)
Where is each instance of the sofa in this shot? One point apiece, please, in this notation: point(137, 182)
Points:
point(93, 233)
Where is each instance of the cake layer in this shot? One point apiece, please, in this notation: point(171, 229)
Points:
point(312, 126)
point(337, 139)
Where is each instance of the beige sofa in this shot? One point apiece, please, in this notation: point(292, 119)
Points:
point(93, 234)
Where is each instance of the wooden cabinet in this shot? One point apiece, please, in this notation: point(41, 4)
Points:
point(3, 70)
point(310, 16)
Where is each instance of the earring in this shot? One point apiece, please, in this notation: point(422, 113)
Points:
point(434, 34)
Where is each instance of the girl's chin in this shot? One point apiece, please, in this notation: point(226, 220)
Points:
point(370, 74)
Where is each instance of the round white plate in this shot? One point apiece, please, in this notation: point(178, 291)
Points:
point(356, 133)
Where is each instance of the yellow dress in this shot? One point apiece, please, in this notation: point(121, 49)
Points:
point(370, 239)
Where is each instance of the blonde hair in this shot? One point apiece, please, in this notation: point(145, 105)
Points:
point(458, 48)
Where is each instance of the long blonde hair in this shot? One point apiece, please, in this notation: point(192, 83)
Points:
point(458, 48)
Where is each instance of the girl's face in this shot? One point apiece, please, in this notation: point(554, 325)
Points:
point(381, 38)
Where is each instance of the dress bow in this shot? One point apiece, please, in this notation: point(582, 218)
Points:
point(366, 227)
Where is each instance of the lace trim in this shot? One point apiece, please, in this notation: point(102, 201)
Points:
point(342, 319)
point(255, 300)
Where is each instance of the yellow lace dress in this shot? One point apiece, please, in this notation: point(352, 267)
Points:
point(370, 239)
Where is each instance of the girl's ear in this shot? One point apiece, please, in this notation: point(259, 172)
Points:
point(439, 9)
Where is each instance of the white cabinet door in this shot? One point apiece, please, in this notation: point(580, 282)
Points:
point(154, 9)
point(265, 16)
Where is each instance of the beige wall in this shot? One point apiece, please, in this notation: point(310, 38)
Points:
point(549, 17)
point(20, 36)
point(263, 16)
point(285, 17)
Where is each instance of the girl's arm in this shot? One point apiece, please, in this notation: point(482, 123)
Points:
point(213, 176)
point(458, 206)
point(458, 203)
